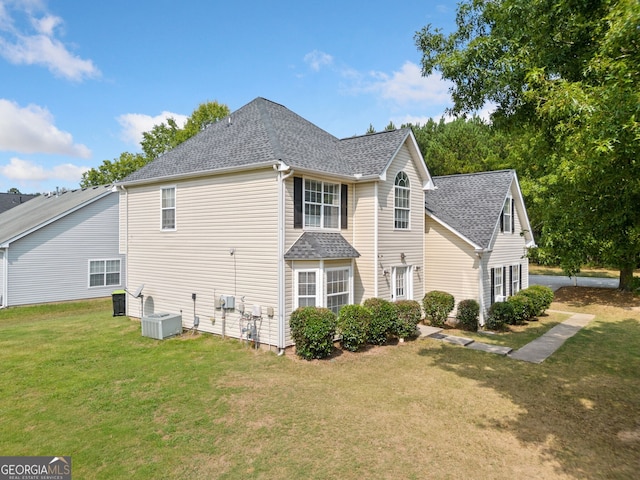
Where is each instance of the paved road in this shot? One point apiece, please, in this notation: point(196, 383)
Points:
point(555, 282)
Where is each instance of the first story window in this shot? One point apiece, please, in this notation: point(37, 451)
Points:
point(103, 273)
point(330, 288)
point(515, 279)
point(168, 208)
point(497, 284)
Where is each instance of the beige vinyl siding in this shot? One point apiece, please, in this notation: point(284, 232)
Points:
point(392, 242)
point(364, 241)
point(214, 215)
point(450, 263)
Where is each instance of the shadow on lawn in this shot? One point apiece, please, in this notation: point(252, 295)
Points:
point(581, 406)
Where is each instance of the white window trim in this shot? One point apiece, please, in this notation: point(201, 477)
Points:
point(321, 283)
point(175, 208)
point(104, 261)
point(515, 284)
point(396, 208)
point(408, 282)
point(349, 284)
point(296, 282)
point(507, 219)
point(322, 205)
point(502, 297)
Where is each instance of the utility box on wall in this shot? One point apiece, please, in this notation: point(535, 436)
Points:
point(161, 325)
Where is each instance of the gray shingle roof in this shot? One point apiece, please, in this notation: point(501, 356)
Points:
point(321, 245)
point(43, 208)
point(10, 200)
point(470, 203)
point(263, 131)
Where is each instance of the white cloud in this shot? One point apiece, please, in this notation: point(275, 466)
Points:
point(31, 130)
point(25, 171)
point(41, 47)
point(135, 124)
point(318, 59)
point(408, 86)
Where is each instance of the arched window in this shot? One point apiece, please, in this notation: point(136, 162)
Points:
point(402, 201)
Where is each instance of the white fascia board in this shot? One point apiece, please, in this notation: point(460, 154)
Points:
point(420, 164)
point(217, 171)
point(475, 246)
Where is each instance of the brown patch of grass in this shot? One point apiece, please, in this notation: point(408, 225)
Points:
point(584, 296)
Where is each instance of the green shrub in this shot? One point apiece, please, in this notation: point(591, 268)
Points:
point(353, 326)
point(409, 316)
point(437, 306)
point(541, 298)
point(522, 308)
point(500, 313)
point(313, 330)
point(383, 315)
point(467, 315)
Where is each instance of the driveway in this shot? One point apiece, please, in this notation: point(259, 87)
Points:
point(557, 281)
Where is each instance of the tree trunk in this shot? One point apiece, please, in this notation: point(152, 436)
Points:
point(626, 278)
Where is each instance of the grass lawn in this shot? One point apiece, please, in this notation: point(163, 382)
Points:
point(77, 381)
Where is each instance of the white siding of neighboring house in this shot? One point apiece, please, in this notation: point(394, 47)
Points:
point(451, 264)
point(52, 263)
point(2, 278)
point(393, 242)
point(214, 214)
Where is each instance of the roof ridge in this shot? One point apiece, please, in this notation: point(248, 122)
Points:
point(375, 133)
point(469, 174)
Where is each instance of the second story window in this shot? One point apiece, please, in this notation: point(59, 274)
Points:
point(402, 201)
point(321, 204)
point(507, 224)
point(168, 208)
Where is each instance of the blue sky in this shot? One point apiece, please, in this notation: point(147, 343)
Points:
point(80, 81)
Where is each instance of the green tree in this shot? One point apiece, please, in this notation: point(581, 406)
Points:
point(160, 139)
point(564, 76)
point(113, 171)
point(14, 190)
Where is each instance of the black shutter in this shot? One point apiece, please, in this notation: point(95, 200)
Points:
point(504, 281)
point(344, 214)
point(513, 216)
point(520, 277)
point(502, 220)
point(493, 286)
point(297, 202)
point(510, 280)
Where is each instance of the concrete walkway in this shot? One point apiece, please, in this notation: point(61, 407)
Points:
point(535, 352)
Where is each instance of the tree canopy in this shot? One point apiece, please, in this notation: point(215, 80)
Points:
point(160, 139)
point(564, 77)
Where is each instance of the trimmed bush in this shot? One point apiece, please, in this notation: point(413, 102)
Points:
point(313, 329)
point(383, 315)
point(467, 315)
point(522, 308)
point(541, 298)
point(409, 316)
point(353, 326)
point(437, 306)
point(500, 314)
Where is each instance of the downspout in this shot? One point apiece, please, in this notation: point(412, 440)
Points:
point(480, 287)
point(284, 172)
point(126, 239)
point(375, 240)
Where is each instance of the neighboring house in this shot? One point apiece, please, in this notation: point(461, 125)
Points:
point(10, 200)
point(477, 237)
point(268, 210)
point(61, 247)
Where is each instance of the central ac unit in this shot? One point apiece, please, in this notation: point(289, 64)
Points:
point(161, 325)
